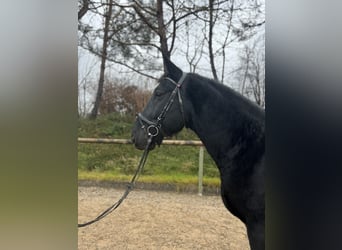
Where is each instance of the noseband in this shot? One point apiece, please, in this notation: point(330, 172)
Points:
point(153, 128)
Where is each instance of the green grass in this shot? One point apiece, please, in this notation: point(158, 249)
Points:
point(114, 162)
point(158, 179)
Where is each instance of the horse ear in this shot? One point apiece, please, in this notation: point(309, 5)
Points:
point(171, 70)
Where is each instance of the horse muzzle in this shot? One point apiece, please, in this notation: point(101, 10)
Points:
point(141, 135)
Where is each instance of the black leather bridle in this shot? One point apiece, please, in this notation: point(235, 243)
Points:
point(152, 128)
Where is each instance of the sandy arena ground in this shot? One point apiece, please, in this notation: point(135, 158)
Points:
point(157, 220)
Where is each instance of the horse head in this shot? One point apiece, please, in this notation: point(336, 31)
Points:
point(163, 114)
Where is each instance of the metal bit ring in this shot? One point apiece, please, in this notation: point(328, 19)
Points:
point(152, 130)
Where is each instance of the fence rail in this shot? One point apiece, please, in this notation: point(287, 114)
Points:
point(127, 141)
point(165, 142)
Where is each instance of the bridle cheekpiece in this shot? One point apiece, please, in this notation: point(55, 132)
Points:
point(153, 128)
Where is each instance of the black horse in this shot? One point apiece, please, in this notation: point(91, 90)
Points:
point(232, 129)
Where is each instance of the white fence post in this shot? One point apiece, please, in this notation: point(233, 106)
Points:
point(200, 171)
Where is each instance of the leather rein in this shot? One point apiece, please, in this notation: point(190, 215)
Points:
point(152, 130)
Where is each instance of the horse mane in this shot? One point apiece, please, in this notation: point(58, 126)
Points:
point(227, 95)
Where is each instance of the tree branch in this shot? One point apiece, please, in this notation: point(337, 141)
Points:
point(137, 8)
point(84, 9)
point(139, 43)
point(252, 25)
point(96, 53)
point(174, 26)
point(200, 9)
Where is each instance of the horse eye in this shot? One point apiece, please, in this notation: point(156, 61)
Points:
point(159, 93)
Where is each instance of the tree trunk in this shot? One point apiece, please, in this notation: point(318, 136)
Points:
point(210, 41)
point(108, 16)
point(247, 62)
point(161, 31)
point(84, 9)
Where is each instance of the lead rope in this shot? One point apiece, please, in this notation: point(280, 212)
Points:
point(129, 188)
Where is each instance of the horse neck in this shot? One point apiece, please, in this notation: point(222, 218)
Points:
point(221, 119)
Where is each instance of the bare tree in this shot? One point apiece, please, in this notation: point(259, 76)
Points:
point(129, 42)
point(229, 22)
point(194, 45)
point(108, 17)
point(251, 72)
point(85, 80)
point(164, 18)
